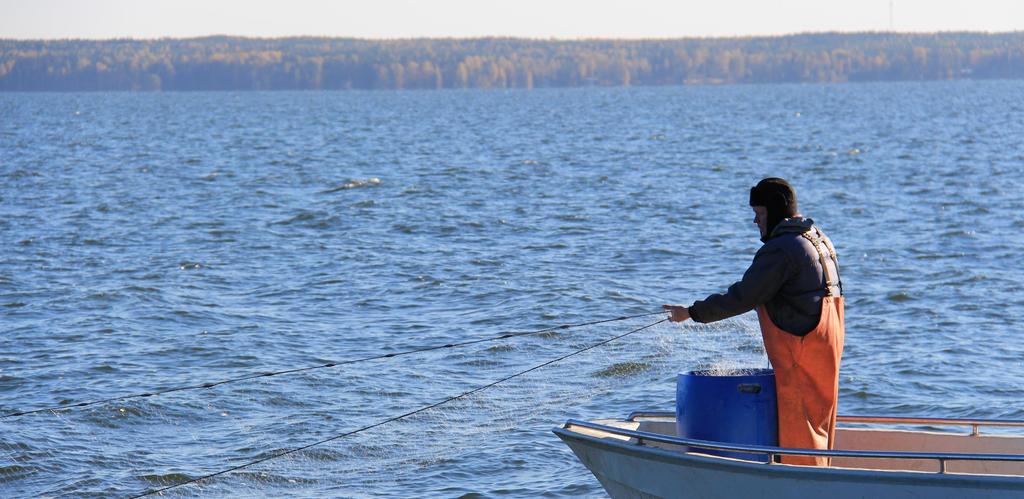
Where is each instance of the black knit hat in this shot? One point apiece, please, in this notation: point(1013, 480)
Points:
point(777, 196)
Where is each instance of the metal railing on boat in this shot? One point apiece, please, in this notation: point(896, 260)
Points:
point(975, 424)
point(640, 437)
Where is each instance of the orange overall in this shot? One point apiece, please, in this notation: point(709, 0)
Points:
point(807, 372)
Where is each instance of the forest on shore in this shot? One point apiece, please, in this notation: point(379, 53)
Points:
point(235, 63)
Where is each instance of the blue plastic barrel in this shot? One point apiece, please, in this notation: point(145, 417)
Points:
point(734, 406)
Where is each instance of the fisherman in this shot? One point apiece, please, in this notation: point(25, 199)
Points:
point(794, 285)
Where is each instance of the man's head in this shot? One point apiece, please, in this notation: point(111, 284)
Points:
point(773, 200)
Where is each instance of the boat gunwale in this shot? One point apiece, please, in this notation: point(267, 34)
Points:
point(844, 474)
point(771, 451)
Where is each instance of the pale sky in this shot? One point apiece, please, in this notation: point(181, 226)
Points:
point(23, 19)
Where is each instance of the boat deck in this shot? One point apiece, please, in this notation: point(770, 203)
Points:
point(865, 443)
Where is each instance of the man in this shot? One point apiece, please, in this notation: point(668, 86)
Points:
point(794, 285)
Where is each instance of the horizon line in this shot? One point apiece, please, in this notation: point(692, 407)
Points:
point(513, 37)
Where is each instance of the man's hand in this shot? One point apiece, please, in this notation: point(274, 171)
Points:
point(677, 313)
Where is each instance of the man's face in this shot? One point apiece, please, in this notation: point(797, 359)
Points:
point(761, 219)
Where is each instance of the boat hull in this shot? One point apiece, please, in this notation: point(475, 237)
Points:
point(629, 470)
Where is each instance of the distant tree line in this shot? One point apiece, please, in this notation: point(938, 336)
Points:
point(231, 63)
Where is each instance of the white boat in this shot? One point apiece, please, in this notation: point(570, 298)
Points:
point(875, 457)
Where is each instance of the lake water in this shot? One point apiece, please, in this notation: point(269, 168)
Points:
point(158, 240)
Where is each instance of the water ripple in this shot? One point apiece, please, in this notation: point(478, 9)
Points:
point(237, 233)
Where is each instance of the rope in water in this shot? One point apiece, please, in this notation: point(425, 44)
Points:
point(248, 377)
point(396, 418)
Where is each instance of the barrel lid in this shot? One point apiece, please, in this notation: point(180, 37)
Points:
point(724, 373)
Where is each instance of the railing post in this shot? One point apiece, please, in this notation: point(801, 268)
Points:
point(942, 466)
point(974, 430)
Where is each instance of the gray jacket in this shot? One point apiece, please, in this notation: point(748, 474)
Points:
point(785, 276)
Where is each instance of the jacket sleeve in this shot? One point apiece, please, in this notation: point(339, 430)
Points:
point(762, 280)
